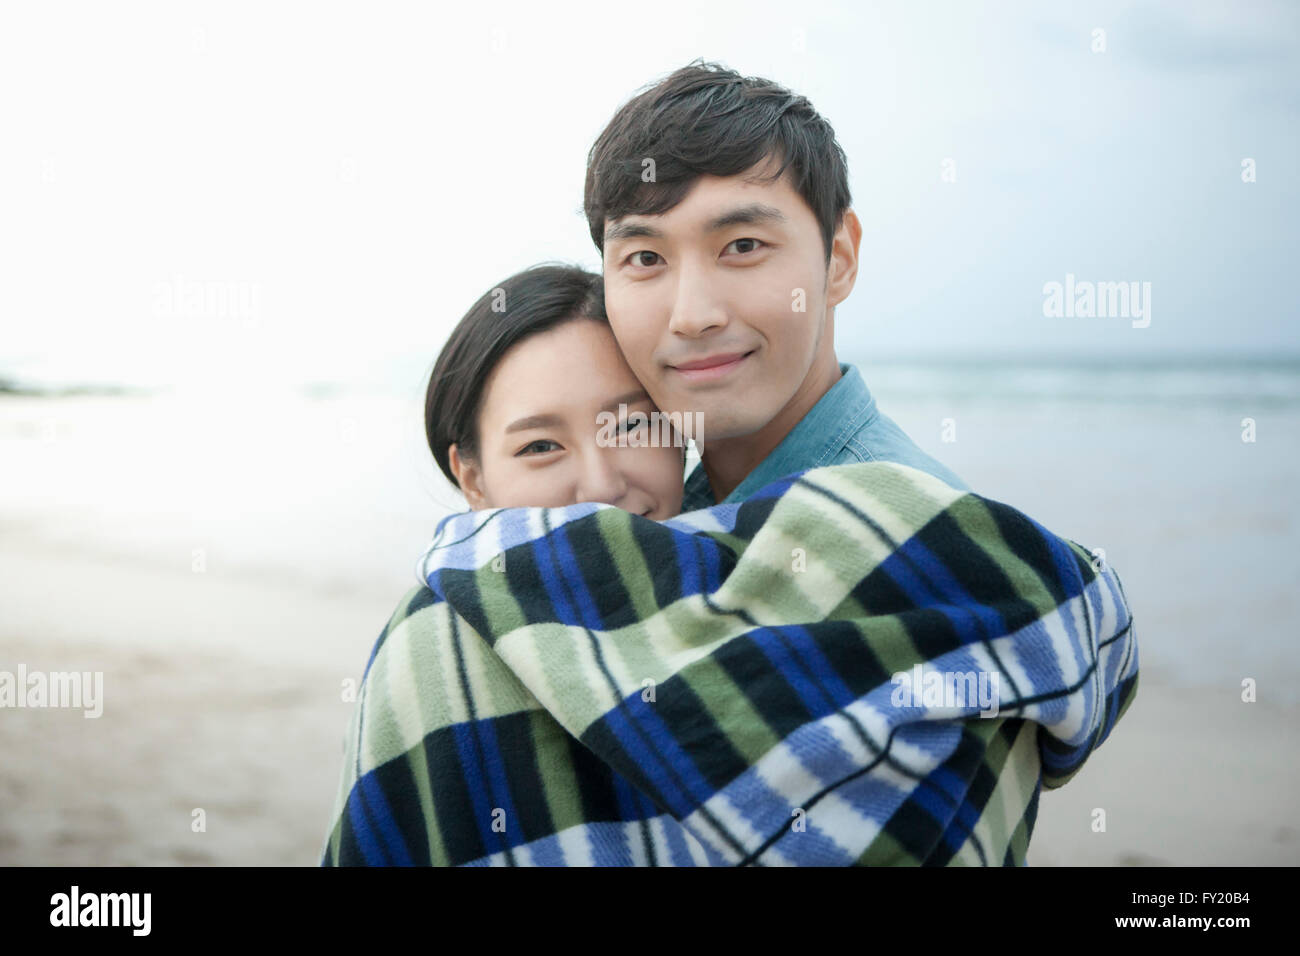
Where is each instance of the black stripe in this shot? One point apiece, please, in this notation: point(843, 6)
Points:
point(763, 685)
point(659, 554)
point(967, 764)
point(595, 784)
point(847, 646)
point(1027, 543)
point(349, 849)
point(452, 805)
point(518, 748)
point(601, 579)
point(462, 590)
point(978, 574)
point(479, 745)
point(752, 515)
point(397, 783)
point(525, 582)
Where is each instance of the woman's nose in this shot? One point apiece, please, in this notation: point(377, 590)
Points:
point(601, 480)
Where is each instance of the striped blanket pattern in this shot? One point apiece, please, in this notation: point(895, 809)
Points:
point(857, 666)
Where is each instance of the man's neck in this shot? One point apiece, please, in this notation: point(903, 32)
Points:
point(728, 461)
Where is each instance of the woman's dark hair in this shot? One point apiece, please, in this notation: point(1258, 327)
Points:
point(706, 119)
point(528, 302)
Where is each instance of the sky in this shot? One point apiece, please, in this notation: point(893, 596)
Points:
point(286, 193)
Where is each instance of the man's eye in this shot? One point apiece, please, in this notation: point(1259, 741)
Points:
point(755, 243)
point(534, 444)
point(635, 259)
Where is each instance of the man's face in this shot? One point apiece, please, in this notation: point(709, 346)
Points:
point(719, 304)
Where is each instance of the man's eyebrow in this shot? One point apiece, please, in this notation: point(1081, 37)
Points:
point(755, 212)
point(752, 213)
point(551, 420)
point(631, 230)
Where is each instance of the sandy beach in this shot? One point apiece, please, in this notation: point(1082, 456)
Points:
point(223, 674)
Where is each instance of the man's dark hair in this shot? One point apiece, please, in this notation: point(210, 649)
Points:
point(529, 302)
point(706, 119)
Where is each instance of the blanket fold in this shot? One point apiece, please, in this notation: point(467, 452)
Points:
point(857, 666)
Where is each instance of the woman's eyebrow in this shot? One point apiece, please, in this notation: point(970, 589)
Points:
point(535, 421)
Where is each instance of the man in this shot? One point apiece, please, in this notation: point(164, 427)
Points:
point(720, 205)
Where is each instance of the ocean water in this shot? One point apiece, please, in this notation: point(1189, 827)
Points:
point(334, 489)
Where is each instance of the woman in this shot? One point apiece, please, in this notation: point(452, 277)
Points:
point(515, 403)
point(579, 684)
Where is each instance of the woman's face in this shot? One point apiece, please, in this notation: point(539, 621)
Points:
point(540, 441)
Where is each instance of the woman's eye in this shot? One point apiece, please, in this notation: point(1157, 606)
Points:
point(623, 426)
point(755, 243)
point(635, 258)
point(536, 451)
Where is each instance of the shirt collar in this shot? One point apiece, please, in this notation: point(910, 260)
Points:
point(817, 440)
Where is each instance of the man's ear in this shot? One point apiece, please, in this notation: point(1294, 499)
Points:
point(469, 476)
point(842, 270)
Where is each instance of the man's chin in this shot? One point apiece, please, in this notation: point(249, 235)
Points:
point(717, 415)
point(723, 423)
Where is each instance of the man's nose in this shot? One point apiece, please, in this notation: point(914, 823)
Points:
point(695, 308)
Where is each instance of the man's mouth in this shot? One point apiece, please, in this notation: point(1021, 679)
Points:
point(711, 367)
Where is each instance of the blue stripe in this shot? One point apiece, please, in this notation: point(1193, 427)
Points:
point(571, 572)
point(712, 564)
point(362, 831)
point(816, 702)
point(1071, 581)
point(374, 652)
point(679, 850)
point(555, 590)
point(666, 751)
point(688, 580)
point(942, 811)
point(513, 527)
point(468, 749)
point(496, 770)
point(646, 759)
point(819, 664)
point(548, 852)
point(608, 842)
point(383, 816)
point(777, 488)
point(960, 829)
point(943, 590)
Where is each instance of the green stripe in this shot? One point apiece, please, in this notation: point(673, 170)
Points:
point(730, 709)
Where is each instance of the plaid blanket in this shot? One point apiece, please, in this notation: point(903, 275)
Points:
point(857, 666)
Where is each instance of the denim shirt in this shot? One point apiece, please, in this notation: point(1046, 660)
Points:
point(844, 427)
